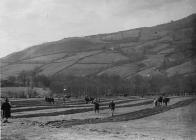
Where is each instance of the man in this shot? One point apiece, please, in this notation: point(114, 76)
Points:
point(96, 107)
point(86, 99)
point(112, 106)
point(6, 110)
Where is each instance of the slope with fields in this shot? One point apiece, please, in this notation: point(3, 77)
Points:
point(163, 49)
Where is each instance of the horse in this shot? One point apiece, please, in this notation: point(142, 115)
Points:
point(89, 99)
point(161, 100)
point(158, 101)
point(166, 100)
point(52, 100)
point(49, 99)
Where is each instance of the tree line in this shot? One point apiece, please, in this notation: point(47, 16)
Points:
point(26, 79)
point(105, 85)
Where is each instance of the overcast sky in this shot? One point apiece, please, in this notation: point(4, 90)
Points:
point(24, 23)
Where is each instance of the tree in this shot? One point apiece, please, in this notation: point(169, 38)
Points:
point(156, 82)
point(42, 80)
point(11, 81)
point(22, 78)
point(56, 86)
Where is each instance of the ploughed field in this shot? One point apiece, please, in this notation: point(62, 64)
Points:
point(134, 118)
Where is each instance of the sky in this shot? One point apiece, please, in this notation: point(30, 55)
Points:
point(24, 23)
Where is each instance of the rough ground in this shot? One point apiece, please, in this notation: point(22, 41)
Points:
point(133, 119)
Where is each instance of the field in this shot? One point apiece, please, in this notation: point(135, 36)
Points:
point(134, 118)
point(21, 92)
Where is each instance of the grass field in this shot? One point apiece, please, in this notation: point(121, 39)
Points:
point(134, 118)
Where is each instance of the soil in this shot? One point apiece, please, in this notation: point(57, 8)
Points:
point(133, 119)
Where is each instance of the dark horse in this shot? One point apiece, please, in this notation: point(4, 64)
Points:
point(161, 100)
point(49, 99)
point(166, 100)
point(89, 99)
point(158, 101)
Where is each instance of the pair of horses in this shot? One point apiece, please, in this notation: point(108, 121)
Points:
point(161, 101)
point(49, 100)
point(89, 100)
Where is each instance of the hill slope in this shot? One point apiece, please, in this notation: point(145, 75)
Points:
point(162, 49)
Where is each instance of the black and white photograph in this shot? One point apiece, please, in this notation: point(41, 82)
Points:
point(98, 69)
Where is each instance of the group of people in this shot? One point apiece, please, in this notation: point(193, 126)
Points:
point(111, 106)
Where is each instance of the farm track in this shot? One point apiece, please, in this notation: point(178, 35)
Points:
point(82, 110)
point(118, 118)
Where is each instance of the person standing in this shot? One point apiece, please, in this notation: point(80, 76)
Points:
point(96, 107)
point(6, 110)
point(112, 107)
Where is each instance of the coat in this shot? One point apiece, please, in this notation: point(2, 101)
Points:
point(6, 108)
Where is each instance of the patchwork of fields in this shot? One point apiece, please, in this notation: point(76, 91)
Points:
point(166, 48)
point(36, 119)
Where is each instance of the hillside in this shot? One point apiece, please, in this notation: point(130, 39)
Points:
point(162, 49)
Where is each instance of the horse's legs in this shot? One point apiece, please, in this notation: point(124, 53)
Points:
point(156, 103)
point(161, 103)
